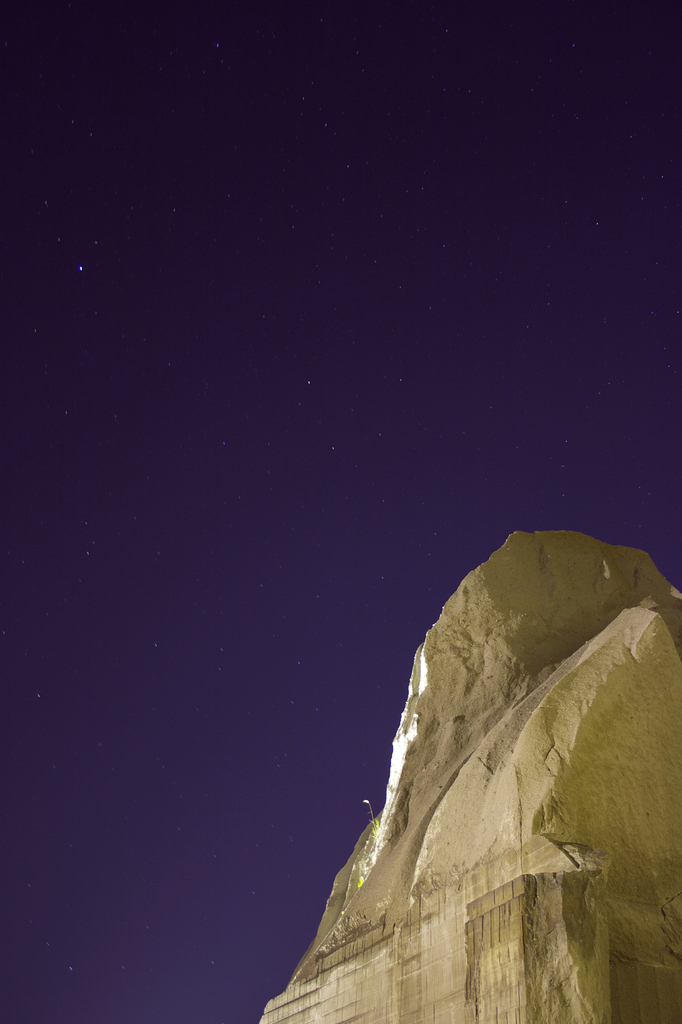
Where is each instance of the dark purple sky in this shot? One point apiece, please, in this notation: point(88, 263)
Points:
point(301, 315)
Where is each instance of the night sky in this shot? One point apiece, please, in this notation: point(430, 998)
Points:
point(304, 309)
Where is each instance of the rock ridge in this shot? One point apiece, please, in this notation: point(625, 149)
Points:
point(539, 748)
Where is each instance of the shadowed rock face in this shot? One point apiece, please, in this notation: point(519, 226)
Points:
point(536, 781)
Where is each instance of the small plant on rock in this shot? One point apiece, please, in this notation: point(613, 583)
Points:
point(374, 821)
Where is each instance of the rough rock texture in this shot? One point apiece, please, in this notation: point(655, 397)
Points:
point(528, 863)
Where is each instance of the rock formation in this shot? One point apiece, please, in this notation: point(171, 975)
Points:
point(528, 862)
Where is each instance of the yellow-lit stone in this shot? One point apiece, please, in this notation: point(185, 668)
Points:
point(528, 864)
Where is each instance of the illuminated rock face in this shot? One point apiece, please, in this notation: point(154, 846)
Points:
point(528, 865)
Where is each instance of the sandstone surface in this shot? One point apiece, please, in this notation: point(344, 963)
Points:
point(528, 862)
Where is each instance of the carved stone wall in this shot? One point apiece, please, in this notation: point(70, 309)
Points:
point(528, 862)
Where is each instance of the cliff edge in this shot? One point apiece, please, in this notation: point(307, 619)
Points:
point(537, 765)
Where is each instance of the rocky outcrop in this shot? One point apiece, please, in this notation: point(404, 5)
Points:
point(528, 861)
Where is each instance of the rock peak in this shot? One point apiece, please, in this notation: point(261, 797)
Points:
point(540, 740)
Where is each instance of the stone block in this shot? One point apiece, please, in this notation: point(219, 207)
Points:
point(528, 862)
